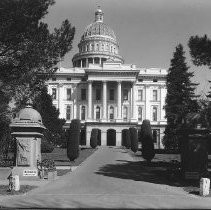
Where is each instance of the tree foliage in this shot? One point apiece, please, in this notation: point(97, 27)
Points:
point(134, 139)
point(200, 50)
point(94, 138)
point(180, 99)
point(28, 48)
point(73, 140)
point(50, 117)
point(148, 151)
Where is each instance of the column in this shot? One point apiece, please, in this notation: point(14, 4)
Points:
point(104, 101)
point(81, 63)
point(100, 60)
point(119, 101)
point(89, 100)
point(60, 97)
point(93, 60)
point(87, 63)
point(103, 137)
point(163, 92)
point(133, 110)
point(147, 103)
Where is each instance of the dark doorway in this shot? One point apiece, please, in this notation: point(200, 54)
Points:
point(111, 137)
point(83, 137)
point(99, 137)
point(124, 137)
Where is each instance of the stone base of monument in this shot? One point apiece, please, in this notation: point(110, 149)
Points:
point(52, 175)
point(26, 173)
point(204, 187)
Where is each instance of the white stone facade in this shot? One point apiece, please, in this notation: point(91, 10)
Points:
point(106, 94)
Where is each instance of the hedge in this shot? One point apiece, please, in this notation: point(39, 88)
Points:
point(94, 138)
point(134, 139)
point(148, 151)
point(73, 140)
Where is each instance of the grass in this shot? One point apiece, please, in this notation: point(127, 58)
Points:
point(162, 170)
point(59, 155)
point(4, 190)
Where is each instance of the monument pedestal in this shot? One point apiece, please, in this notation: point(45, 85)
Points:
point(27, 131)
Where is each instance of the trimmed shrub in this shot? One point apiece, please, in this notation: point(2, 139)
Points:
point(73, 140)
point(148, 151)
point(124, 137)
point(134, 139)
point(46, 147)
point(94, 138)
point(127, 139)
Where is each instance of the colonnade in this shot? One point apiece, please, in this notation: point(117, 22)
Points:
point(119, 101)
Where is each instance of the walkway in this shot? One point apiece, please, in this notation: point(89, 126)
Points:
point(105, 180)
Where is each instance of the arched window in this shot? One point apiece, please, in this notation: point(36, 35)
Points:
point(111, 114)
point(92, 47)
point(97, 113)
point(68, 112)
point(139, 113)
point(102, 47)
point(125, 113)
point(97, 47)
point(83, 112)
point(154, 113)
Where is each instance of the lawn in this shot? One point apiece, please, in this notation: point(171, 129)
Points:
point(59, 155)
point(23, 189)
point(164, 169)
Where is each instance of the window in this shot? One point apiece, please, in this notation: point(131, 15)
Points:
point(68, 78)
point(111, 117)
point(83, 112)
point(97, 113)
point(125, 113)
point(83, 94)
point(140, 113)
point(140, 80)
point(68, 112)
point(68, 94)
point(154, 113)
point(125, 94)
point(92, 47)
point(155, 80)
point(155, 95)
point(54, 79)
point(53, 93)
point(98, 94)
point(140, 95)
point(111, 94)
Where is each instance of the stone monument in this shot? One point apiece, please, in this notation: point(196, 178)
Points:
point(27, 130)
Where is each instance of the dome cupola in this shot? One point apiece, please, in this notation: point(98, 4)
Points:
point(98, 44)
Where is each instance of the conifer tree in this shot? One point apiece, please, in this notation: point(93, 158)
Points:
point(50, 117)
point(180, 99)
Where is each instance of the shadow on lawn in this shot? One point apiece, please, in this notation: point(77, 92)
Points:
point(156, 172)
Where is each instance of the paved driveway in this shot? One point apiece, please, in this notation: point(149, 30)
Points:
point(107, 179)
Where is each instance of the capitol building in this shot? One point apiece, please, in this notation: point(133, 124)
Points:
point(105, 93)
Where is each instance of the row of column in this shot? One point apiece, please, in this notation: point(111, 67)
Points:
point(119, 101)
point(87, 61)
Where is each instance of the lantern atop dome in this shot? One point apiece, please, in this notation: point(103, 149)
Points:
point(98, 15)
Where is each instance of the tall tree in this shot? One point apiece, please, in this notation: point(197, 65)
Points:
point(50, 117)
point(29, 51)
point(200, 50)
point(27, 47)
point(180, 99)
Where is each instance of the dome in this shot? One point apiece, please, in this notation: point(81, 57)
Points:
point(98, 44)
point(28, 113)
point(98, 28)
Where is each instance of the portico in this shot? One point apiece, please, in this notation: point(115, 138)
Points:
point(119, 79)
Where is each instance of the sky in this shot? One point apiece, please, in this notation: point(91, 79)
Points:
point(147, 30)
